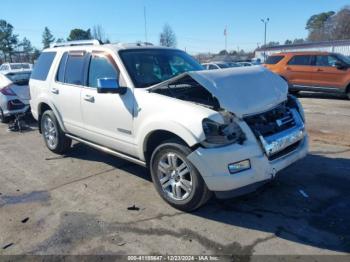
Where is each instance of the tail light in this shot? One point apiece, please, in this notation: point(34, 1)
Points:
point(7, 91)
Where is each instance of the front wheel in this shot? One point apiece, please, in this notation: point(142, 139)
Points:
point(176, 179)
point(54, 137)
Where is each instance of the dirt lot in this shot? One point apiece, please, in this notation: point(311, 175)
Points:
point(77, 204)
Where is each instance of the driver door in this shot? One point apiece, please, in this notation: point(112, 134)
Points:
point(108, 118)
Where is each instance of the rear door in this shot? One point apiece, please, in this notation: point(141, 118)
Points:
point(299, 70)
point(327, 74)
point(66, 89)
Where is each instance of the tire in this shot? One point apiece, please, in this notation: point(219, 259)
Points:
point(170, 180)
point(348, 93)
point(3, 119)
point(54, 138)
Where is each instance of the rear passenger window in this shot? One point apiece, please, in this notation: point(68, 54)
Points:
point(272, 60)
point(43, 65)
point(301, 60)
point(74, 72)
point(61, 68)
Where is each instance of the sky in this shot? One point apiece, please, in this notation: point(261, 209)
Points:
point(198, 24)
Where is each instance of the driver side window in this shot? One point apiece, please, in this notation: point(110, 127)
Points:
point(101, 66)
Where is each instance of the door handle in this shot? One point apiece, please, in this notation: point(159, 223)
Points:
point(89, 98)
point(319, 70)
point(55, 91)
point(287, 68)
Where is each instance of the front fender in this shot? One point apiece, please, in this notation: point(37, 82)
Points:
point(176, 128)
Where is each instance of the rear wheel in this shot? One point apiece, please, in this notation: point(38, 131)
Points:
point(348, 93)
point(54, 137)
point(3, 118)
point(176, 179)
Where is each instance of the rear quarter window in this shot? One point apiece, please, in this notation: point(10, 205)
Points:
point(43, 65)
point(272, 60)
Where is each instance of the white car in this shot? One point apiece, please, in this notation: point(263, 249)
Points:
point(15, 67)
point(14, 94)
point(221, 131)
point(244, 64)
point(215, 66)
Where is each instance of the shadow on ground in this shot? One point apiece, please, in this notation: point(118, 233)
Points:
point(308, 203)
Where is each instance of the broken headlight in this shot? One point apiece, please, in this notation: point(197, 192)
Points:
point(218, 134)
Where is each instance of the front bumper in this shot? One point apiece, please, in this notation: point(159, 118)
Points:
point(212, 163)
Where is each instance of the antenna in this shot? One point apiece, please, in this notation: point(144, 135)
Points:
point(145, 17)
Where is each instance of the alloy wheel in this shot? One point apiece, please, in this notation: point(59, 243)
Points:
point(175, 176)
point(50, 132)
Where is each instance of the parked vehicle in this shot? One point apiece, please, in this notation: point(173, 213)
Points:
point(198, 131)
point(15, 67)
point(215, 65)
point(14, 94)
point(312, 71)
point(244, 64)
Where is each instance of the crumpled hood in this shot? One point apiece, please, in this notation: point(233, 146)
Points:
point(243, 91)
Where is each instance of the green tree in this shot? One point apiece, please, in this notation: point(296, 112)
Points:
point(8, 40)
point(47, 38)
point(288, 42)
point(79, 34)
point(316, 25)
point(167, 37)
point(26, 45)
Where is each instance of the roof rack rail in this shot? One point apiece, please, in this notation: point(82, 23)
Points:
point(76, 43)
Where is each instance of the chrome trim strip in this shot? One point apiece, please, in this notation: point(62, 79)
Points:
point(109, 151)
point(278, 142)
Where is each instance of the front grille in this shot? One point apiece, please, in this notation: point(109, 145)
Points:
point(271, 122)
point(279, 130)
point(285, 151)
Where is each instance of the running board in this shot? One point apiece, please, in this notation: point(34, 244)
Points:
point(109, 151)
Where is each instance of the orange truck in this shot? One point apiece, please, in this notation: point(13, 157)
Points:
point(312, 71)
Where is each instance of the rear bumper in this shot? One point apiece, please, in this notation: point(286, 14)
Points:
point(9, 113)
point(213, 165)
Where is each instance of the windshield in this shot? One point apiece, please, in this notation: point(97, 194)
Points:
point(148, 67)
point(19, 78)
point(344, 58)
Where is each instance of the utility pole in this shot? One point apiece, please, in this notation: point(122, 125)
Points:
point(265, 22)
point(145, 18)
point(225, 34)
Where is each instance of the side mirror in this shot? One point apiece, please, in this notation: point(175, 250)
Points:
point(339, 65)
point(110, 86)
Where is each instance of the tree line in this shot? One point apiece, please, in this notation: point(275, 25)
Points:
point(14, 49)
point(325, 26)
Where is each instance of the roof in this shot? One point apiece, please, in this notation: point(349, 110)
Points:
point(90, 44)
point(310, 44)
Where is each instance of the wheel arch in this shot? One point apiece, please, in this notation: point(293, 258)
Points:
point(44, 106)
point(156, 137)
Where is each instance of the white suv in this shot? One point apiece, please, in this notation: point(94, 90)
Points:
point(198, 131)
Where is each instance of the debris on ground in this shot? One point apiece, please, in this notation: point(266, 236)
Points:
point(25, 220)
point(133, 208)
point(7, 246)
point(121, 244)
point(19, 124)
point(302, 192)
